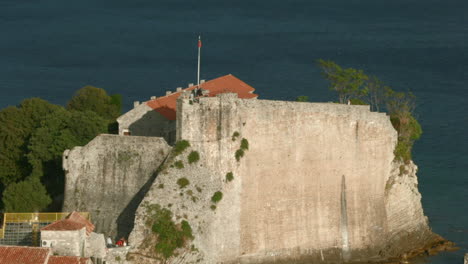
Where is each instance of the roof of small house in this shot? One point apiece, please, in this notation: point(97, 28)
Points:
point(66, 260)
point(166, 105)
point(24, 255)
point(74, 221)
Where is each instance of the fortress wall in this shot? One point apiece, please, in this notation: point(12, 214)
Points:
point(317, 184)
point(292, 175)
point(109, 176)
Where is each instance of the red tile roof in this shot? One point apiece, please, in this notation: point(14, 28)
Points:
point(166, 105)
point(73, 221)
point(24, 255)
point(66, 260)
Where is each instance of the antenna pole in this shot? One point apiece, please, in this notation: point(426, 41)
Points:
point(199, 51)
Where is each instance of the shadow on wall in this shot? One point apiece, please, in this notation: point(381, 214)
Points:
point(126, 219)
point(153, 124)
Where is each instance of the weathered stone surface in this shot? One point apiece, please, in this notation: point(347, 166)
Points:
point(116, 255)
point(95, 246)
point(466, 258)
point(317, 184)
point(66, 243)
point(109, 176)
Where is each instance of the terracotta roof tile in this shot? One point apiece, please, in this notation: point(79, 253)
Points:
point(66, 260)
point(74, 221)
point(166, 105)
point(24, 255)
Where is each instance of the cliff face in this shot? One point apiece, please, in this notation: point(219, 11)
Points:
point(109, 176)
point(317, 183)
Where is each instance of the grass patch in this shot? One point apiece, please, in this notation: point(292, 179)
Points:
point(179, 164)
point(239, 154)
point(193, 157)
point(170, 235)
point(244, 144)
point(161, 186)
point(199, 189)
point(183, 182)
point(180, 147)
point(213, 207)
point(229, 176)
point(217, 196)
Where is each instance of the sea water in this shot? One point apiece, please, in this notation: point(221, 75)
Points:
point(141, 48)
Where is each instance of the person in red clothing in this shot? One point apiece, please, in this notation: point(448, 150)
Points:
point(121, 242)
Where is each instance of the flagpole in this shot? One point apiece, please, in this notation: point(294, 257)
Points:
point(199, 50)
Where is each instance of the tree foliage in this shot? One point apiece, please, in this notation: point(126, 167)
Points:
point(26, 196)
point(90, 98)
point(18, 123)
point(355, 87)
point(348, 83)
point(33, 136)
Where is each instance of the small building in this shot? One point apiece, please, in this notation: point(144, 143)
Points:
point(36, 255)
point(70, 236)
point(157, 117)
point(23, 229)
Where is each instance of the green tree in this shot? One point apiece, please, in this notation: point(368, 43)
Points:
point(375, 93)
point(348, 83)
point(400, 107)
point(358, 88)
point(95, 99)
point(60, 131)
point(26, 196)
point(18, 123)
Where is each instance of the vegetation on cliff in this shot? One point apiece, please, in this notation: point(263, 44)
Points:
point(170, 235)
point(355, 87)
point(34, 135)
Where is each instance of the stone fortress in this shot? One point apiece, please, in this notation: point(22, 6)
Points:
point(318, 182)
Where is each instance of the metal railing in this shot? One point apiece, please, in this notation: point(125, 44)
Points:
point(34, 218)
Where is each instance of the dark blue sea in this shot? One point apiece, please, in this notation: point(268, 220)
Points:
point(140, 48)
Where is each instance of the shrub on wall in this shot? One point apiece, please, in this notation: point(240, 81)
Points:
point(235, 135)
point(193, 157)
point(179, 164)
point(217, 196)
point(180, 146)
point(229, 176)
point(244, 144)
point(239, 154)
point(183, 182)
point(170, 235)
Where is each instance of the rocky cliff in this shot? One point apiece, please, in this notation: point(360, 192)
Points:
point(109, 177)
point(316, 182)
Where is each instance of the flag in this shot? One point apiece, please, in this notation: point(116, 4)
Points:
point(199, 42)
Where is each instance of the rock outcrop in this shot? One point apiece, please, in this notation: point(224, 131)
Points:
point(317, 182)
point(109, 177)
